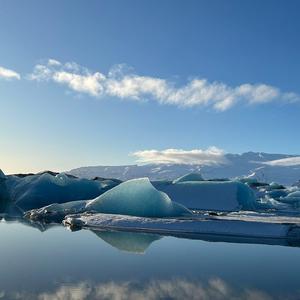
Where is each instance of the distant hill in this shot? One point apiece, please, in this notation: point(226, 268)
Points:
point(267, 167)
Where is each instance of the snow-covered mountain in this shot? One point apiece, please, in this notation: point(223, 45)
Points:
point(266, 167)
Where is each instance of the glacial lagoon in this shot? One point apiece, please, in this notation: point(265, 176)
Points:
point(52, 262)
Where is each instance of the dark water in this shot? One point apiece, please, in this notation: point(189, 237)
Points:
point(60, 264)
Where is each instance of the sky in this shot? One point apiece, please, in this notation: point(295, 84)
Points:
point(118, 82)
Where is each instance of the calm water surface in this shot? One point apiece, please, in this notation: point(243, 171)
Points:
point(60, 264)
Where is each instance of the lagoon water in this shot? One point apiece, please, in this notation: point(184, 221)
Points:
point(60, 264)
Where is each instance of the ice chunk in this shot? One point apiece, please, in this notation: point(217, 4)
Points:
point(238, 227)
point(252, 182)
point(137, 197)
point(211, 195)
point(2, 176)
point(276, 186)
point(56, 212)
point(189, 177)
point(276, 194)
point(39, 190)
point(4, 194)
point(292, 198)
point(295, 194)
point(249, 180)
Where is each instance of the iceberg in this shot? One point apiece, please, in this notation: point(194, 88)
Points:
point(56, 212)
point(292, 198)
point(35, 191)
point(295, 194)
point(4, 194)
point(276, 186)
point(137, 197)
point(211, 195)
point(277, 194)
point(189, 177)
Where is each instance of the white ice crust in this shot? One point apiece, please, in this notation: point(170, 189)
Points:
point(208, 225)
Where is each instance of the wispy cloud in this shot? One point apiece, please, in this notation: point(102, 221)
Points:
point(128, 85)
point(9, 74)
point(210, 156)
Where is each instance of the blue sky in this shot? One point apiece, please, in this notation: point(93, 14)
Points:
point(195, 74)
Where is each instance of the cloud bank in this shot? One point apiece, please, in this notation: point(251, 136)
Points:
point(210, 156)
point(9, 74)
point(284, 162)
point(124, 84)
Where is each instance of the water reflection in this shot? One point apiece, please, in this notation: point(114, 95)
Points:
point(17, 218)
point(133, 242)
point(213, 289)
point(137, 242)
point(58, 264)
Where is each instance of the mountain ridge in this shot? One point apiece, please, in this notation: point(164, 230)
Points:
point(254, 164)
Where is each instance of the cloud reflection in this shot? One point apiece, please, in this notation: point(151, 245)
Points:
point(213, 289)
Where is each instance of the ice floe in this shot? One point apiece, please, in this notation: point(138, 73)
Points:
point(244, 227)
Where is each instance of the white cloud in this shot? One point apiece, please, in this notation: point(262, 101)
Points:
point(9, 74)
point(89, 83)
point(213, 289)
point(210, 156)
point(128, 85)
point(284, 162)
point(53, 62)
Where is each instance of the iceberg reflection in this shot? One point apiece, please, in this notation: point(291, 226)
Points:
point(133, 242)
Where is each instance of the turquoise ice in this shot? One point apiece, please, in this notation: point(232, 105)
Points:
point(137, 197)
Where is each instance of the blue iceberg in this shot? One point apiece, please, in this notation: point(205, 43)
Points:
point(39, 190)
point(4, 194)
point(292, 198)
point(211, 195)
point(137, 197)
